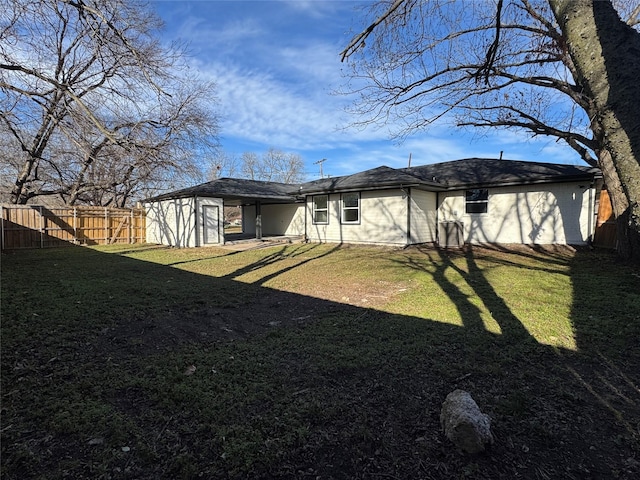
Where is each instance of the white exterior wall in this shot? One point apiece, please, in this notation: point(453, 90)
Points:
point(283, 219)
point(423, 217)
point(249, 219)
point(560, 213)
point(178, 222)
point(383, 220)
point(216, 202)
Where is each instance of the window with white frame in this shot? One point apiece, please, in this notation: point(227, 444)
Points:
point(321, 209)
point(350, 207)
point(476, 200)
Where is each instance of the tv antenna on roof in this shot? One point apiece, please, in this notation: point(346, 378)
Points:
point(320, 162)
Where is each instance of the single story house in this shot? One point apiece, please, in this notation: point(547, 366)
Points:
point(475, 201)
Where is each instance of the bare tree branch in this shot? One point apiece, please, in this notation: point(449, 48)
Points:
point(358, 41)
point(634, 17)
point(97, 102)
point(492, 51)
point(562, 68)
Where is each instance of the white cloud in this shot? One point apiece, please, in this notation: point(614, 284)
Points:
point(317, 65)
point(274, 81)
point(262, 108)
point(317, 9)
point(259, 108)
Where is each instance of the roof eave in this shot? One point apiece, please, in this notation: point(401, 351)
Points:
point(573, 178)
point(384, 186)
point(273, 198)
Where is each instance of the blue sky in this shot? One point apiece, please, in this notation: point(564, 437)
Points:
point(276, 65)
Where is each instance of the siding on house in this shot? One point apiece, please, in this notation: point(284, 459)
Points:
point(283, 219)
point(383, 220)
point(180, 223)
point(560, 213)
point(422, 217)
point(249, 219)
point(528, 203)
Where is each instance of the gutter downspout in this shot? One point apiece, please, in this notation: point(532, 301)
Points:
point(197, 221)
point(408, 240)
point(437, 218)
point(178, 211)
point(306, 218)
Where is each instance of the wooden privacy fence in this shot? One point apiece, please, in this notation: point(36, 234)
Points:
point(605, 234)
point(34, 226)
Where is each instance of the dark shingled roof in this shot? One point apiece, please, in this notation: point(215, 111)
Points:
point(475, 172)
point(236, 188)
point(467, 173)
point(369, 179)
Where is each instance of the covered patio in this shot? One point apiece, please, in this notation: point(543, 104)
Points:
point(247, 241)
point(194, 216)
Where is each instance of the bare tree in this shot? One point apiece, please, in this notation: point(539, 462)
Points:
point(250, 166)
point(605, 53)
point(547, 67)
point(98, 109)
point(223, 164)
point(273, 166)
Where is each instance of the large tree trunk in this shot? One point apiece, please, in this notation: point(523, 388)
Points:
point(619, 204)
point(606, 54)
point(18, 195)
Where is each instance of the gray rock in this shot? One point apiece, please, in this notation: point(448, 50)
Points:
point(464, 424)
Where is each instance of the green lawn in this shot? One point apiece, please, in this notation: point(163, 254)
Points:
point(316, 361)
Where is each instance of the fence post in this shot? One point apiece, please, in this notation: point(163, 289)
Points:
point(75, 226)
point(143, 222)
point(12, 230)
point(2, 223)
point(41, 228)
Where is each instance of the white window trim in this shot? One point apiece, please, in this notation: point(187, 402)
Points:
point(476, 202)
point(314, 210)
point(343, 208)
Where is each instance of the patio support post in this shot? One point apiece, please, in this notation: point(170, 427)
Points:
point(258, 220)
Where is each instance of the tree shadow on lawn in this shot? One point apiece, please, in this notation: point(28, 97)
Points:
point(99, 385)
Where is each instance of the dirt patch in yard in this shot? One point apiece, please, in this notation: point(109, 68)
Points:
point(183, 325)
